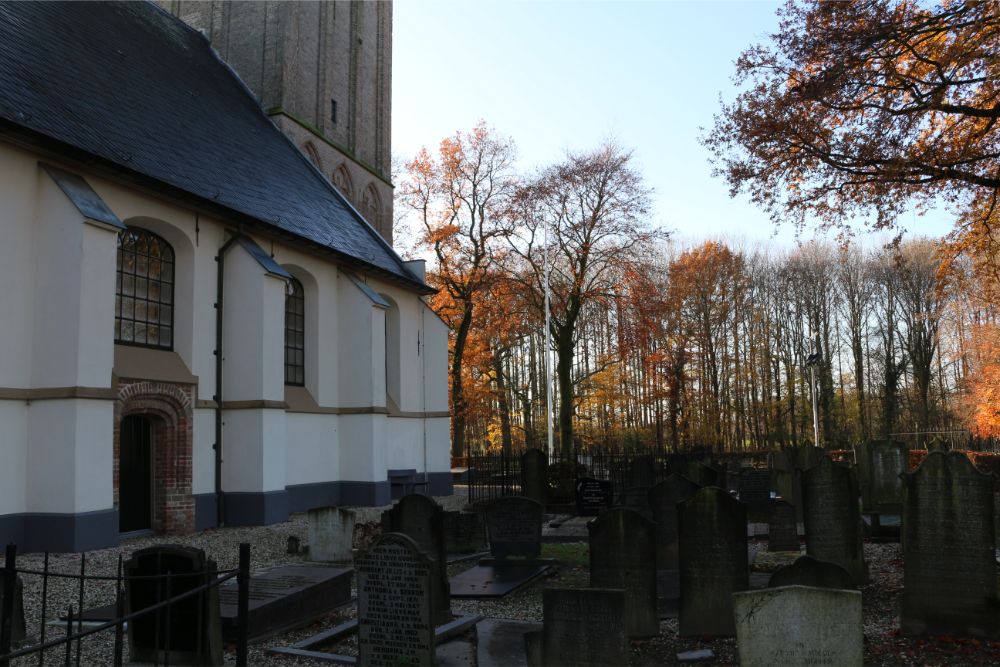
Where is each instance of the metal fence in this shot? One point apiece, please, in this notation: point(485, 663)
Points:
point(70, 646)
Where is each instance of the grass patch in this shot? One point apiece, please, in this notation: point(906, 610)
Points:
point(572, 554)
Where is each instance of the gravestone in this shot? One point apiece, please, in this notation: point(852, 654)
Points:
point(515, 527)
point(396, 623)
point(18, 630)
point(880, 464)
point(464, 532)
point(592, 496)
point(782, 528)
point(534, 475)
point(331, 534)
point(285, 597)
point(701, 474)
point(583, 627)
point(755, 492)
point(623, 555)
point(636, 499)
point(786, 479)
point(641, 472)
point(833, 518)
point(712, 528)
point(195, 636)
point(807, 571)
point(799, 625)
point(949, 561)
point(663, 499)
point(421, 519)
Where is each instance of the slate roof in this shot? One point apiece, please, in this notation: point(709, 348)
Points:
point(130, 84)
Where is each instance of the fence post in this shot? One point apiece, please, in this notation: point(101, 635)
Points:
point(243, 606)
point(7, 609)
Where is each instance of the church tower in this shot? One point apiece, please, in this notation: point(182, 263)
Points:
point(323, 73)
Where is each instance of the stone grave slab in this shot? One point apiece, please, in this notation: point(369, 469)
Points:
point(755, 492)
point(663, 499)
point(285, 597)
point(464, 532)
point(636, 498)
point(949, 562)
point(500, 643)
point(807, 571)
point(534, 475)
point(880, 463)
point(515, 527)
point(623, 556)
point(422, 520)
point(641, 472)
point(331, 534)
point(593, 496)
point(799, 625)
point(495, 580)
point(713, 561)
point(18, 628)
point(395, 613)
point(195, 628)
point(833, 518)
point(701, 474)
point(582, 627)
point(782, 528)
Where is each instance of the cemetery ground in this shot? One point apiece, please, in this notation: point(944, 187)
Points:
point(883, 643)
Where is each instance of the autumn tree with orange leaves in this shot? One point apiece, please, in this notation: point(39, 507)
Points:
point(457, 196)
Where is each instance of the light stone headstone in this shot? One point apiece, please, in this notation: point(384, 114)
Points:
point(663, 499)
point(534, 475)
point(713, 561)
point(832, 518)
point(584, 627)
point(515, 527)
point(331, 534)
point(623, 555)
point(794, 626)
point(395, 618)
point(421, 519)
point(949, 558)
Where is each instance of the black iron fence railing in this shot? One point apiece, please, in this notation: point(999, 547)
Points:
point(71, 643)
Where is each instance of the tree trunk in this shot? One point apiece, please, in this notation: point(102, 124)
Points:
point(458, 447)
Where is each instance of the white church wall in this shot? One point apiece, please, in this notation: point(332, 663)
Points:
point(14, 418)
point(360, 330)
point(202, 453)
point(19, 179)
point(312, 452)
point(435, 363)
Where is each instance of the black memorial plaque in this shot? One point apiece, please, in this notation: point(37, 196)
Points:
point(592, 496)
point(495, 580)
point(286, 597)
point(949, 557)
point(395, 621)
point(712, 527)
point(623, 555)
point(833, 517)
point(515, 527)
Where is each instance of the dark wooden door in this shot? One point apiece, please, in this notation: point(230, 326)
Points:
point(135, 475)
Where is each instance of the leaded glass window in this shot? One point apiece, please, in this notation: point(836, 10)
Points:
point(295, 334)
point(144, 294)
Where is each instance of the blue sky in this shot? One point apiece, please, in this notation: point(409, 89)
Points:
point(565, 75)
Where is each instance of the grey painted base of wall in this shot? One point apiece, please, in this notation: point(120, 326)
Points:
point(256, 509)
point(85, 531)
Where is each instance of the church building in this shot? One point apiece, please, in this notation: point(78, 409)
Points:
point(202, 320)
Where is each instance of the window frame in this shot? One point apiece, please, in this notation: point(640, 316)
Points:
point(166, 291)
point(295, 296)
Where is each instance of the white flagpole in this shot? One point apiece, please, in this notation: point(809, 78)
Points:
point(548, 353)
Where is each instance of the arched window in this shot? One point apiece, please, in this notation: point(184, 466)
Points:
point(342, 180)
point(144, 294)
point(371, 207)
point(295, 334)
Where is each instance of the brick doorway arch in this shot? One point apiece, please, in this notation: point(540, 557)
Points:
point(167, 407)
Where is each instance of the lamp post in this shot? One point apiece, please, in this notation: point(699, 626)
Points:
point(812, 361)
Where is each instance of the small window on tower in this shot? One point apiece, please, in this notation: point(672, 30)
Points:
point(333, 111)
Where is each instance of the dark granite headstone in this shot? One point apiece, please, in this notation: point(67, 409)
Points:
point(949, 558)
point(636, 498)
point(17, 628)
point(584, 628)
point(422, 520)
point(701, 474)
point(195, 636)
point(663, 499)
point(641, 472)
point(807, 571)
point(285, 597)
point(395, 617)
point(880, 463)
point(464, 532)
point(592, 496)
point(623, 555)
point(833, 518)
point(782, 528)
point(534, 475)
point(755, 492)
point(515, 527)
point(713, 561)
